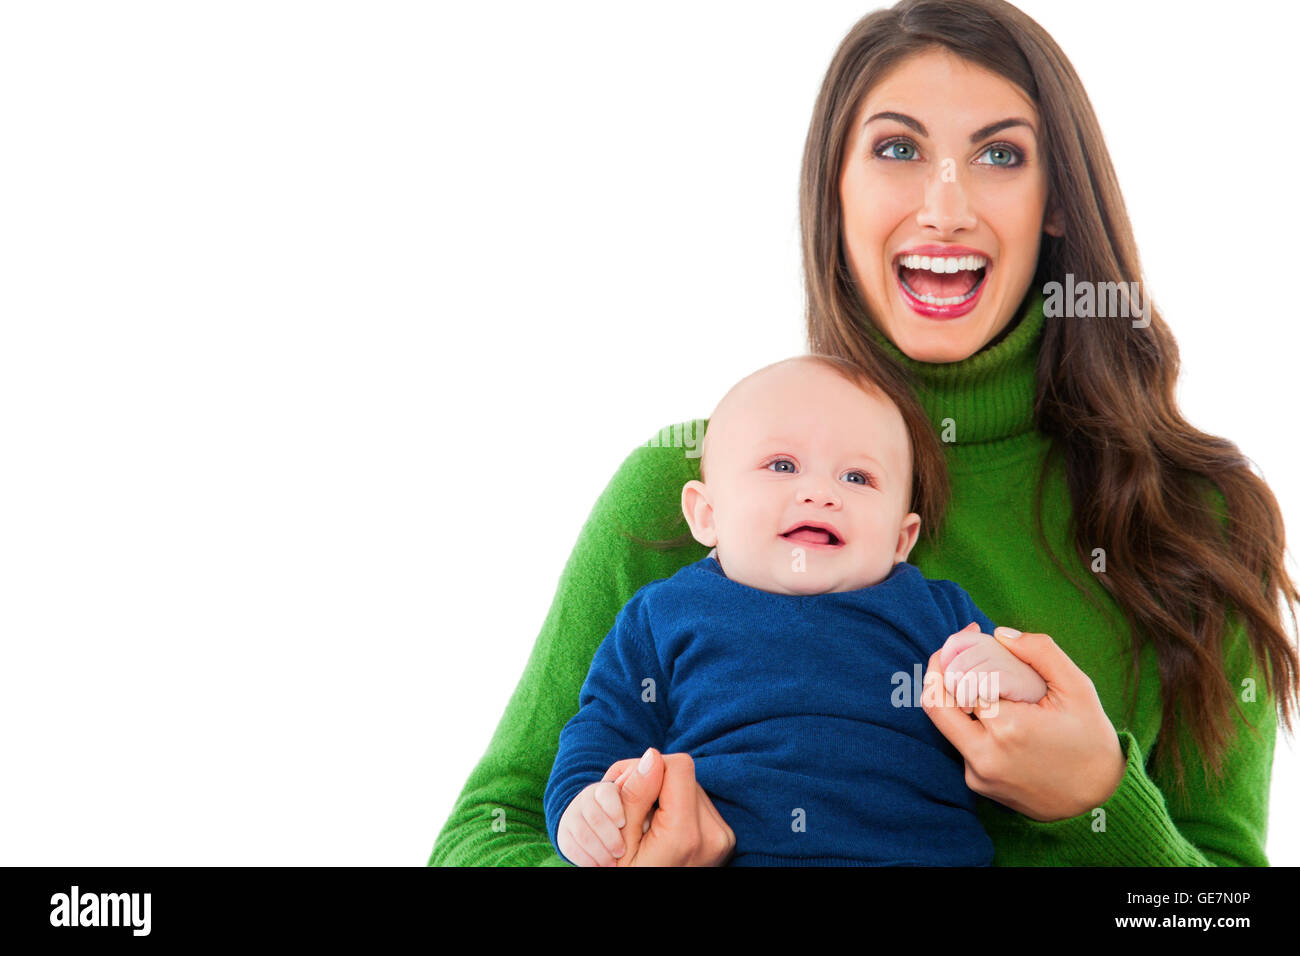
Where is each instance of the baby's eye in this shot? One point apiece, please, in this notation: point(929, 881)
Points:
point(865, 478)
point(782, 461)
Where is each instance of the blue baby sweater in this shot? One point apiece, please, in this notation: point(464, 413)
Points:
point(802, 713)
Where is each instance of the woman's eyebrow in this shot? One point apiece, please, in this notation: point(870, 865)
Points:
point(1000, 125)
point(975, 137)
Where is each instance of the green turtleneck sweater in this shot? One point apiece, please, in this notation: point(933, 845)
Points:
point(988, 545)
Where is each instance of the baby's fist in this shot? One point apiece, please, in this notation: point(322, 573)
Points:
point(978, 671)
point(589, 834)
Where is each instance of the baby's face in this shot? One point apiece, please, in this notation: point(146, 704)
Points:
point(798, 444)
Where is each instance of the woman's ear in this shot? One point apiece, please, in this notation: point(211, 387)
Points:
point(699, 513)
point(1054, 224)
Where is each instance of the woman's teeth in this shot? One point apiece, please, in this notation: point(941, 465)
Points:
point(942, 265)
point(950, 300)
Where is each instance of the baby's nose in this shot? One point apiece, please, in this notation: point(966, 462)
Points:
point(818, 496)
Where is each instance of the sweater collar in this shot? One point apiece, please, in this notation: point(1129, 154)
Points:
point(986, 398)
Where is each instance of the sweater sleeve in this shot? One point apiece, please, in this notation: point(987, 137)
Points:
point(975, 614)
point(498, 819)
point(621, 712)
point(1216, 822)
point(962, 606)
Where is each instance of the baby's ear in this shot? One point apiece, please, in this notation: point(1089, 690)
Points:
point(907, 535)
point(699, 513)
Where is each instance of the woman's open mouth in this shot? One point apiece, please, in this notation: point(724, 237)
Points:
point(942, 287)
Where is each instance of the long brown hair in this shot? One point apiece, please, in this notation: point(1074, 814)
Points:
point(1139, 475)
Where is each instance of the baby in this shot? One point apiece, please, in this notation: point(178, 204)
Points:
point(785, 662)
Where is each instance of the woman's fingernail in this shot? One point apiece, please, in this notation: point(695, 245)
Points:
point(974, 624)
point(1005, 632)
point(647, 760)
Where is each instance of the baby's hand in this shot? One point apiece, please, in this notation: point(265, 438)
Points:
point(589, 832)
point(978, 671)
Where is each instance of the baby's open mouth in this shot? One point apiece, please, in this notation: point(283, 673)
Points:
point(941, 280)
point(811, 535)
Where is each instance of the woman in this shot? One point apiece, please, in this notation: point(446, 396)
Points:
point(1082, 505)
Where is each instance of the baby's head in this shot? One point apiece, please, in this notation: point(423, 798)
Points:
point(809, 440)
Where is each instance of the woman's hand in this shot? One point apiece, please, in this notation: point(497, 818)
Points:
point(684, 830)
point(1049, 760)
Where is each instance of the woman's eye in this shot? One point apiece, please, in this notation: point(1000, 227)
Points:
point(1002, 156)
point(899, 149)
point(782, 461)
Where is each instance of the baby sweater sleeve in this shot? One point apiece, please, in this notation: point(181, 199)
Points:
point(960, 605)
point(621, 711)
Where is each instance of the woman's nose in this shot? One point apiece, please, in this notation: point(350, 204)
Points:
point(946, 206)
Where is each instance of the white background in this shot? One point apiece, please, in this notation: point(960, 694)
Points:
point(324, 325)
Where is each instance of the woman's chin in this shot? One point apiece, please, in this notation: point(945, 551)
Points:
point(940, 341)
point(937, 346)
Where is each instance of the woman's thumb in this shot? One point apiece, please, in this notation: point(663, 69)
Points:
point(1041, 653)
point(640, 790)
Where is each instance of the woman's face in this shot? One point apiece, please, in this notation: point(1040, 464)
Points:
point(943, 164)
